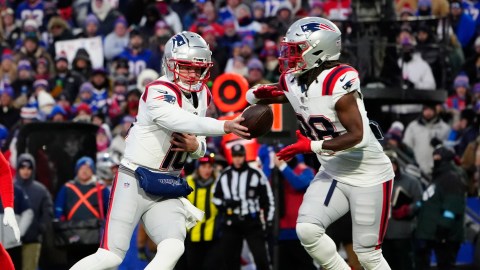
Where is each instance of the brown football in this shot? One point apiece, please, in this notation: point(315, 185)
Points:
point(258, 119)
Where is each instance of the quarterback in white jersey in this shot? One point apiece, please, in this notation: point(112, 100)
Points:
point(170, 126)
point(355, 174)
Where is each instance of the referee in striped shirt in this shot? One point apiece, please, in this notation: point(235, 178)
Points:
point(245, 199)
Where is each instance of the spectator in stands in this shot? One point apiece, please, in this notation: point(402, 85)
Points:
point(150, 18)
point(101, 90)
point(269, 56)
point(421, 132)
point(283, 18)
point(169, 15)
point(90, 27)
point(464, 131)
point(59, 30)
point(429, 50)
point(246, 26)
point(117, 101)
point(397, 245)
point(23, 85)
point(133, 98)
point(24, 216)
point(42, 206)
point(258, 12)
point(462, 23)
point(42, 70)
point(82, 64)
point(65, 82)
point(255, 72)
point(461, 98)
point(472, 64)
point(138, 57)
point(105, 14)
point(230, 36)
point(228, 11)
point(294, 178)
point(202, 250)
point(316, 9)
point(219, 54)
point(92, 198)
point(11, 31)
point(32, 51)
point(393, 140)
point(27, 115)
point(440, 221)
point(416, 73)
point(9, 115)
point(116, 41)
point(8, 68)
point(117, 146)
point(29, 9)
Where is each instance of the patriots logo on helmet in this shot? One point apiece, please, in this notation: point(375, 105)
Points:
point(178, 40)
point(313, 26)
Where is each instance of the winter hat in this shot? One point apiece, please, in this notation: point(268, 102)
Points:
point(7, 89)
point(254, 63)
point(395, 131)
point(145, 77)
point(7, 54)
point(24, 65)
point(85, 160)
point(461, 81)
point(121, 20)
point(45, 99)
point(424, 3)
point(91, 19)
point(57, 109)
point(86, 87)
point(40, 83)
point(61, 56)
point(83, 107)
point(29, 113)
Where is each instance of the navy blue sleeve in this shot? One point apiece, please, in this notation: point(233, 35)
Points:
point(21, 201)
point(60, 201)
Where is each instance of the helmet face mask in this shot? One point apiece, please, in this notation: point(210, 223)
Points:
point(308, 43)
point(187, 61)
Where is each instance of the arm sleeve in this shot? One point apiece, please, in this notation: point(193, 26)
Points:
point(408, 137)
point(427, 80)
point(299, 182)
point(172, 117)
point(266, 198)
point(60, 203)
point(26, 218)
point(202, 148)
point(6, 183)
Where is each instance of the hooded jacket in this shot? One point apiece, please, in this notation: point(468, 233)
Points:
point(23, 215)
point(40, 200)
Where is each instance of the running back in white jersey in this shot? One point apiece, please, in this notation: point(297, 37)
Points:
point(363, 165)
point(163, 110)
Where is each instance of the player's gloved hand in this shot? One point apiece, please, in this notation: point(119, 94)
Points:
point(302, 146)
point(9, 220)
point(401, 212)
point(267, 91)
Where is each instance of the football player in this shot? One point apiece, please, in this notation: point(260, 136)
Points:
point(355, 174)
point(170, 126)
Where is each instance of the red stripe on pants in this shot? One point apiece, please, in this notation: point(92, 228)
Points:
point(387, 191)
point(104, 243)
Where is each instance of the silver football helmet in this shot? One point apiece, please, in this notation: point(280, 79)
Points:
point(308, 43)
point(187, 50)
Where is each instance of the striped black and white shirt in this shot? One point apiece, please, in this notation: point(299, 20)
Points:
point(247, 185)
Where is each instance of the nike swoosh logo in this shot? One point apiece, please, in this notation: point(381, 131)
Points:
point(341, 79)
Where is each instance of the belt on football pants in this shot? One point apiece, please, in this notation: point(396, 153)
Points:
point(193, 214)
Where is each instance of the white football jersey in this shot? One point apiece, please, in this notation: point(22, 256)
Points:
point(363, 165)
point(163, 110)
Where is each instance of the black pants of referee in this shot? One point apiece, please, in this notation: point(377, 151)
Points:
point(234, 231)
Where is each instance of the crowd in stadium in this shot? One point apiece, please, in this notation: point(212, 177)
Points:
point(89, 61)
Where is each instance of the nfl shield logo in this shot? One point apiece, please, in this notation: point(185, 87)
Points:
point(126, 185)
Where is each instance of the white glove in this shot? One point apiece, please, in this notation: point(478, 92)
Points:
point(10, 220)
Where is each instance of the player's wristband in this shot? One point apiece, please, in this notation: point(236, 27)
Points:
point(200, 152)
point(250, 97)
point(317, 147)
